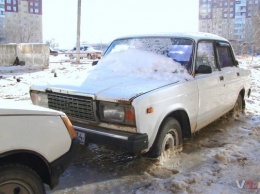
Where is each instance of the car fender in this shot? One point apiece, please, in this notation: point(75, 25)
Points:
point(149, 123)
point(46, 135)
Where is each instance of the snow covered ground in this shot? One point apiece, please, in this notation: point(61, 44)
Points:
point(223, 158)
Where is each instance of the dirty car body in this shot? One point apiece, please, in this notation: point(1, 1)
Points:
point(145, 85)
point(39, 142)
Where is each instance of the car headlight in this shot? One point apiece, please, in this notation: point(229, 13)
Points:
point(117, 113)
point(39, 98)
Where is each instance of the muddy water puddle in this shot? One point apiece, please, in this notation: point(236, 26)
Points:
point(98, 168)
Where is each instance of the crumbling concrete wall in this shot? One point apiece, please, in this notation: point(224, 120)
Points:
point(8, 54)
point(35, 55)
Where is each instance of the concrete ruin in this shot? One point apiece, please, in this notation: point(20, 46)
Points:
point(35, 55)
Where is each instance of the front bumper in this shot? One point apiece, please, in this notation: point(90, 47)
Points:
point(127, 141)
point(58, 166)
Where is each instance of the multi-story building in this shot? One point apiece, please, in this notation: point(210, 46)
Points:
point(232, 19)
point(2, 17)
point(23, 21)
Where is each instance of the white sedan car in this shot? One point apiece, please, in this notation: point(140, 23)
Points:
point(85, 52)
point(36, 146)
point(148, 92)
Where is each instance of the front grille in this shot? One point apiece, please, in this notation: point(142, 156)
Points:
point(76, 107)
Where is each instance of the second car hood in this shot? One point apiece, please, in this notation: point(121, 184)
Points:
point(10, 107)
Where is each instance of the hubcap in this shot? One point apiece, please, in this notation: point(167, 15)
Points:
point(168, 142)
point(15, 187)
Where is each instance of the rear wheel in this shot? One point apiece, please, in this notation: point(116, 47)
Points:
point(169, 136)
point(238, 108)
point(89, 56)
point(18, 179)
point(71, 56)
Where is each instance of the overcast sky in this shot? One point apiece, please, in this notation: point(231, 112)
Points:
point(104, 20)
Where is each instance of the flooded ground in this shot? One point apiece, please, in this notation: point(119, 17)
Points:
point(203, 162)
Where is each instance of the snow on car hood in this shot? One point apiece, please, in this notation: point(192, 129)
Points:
point(126, 74)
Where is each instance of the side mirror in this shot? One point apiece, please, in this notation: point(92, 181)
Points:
point(94, 63)
point(204, 69)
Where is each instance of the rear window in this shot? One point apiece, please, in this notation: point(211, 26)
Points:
point(224, 57)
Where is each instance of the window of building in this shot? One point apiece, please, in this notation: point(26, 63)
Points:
point(238, 2)
point(8, 1)
point(14, 8)
point(9, 8)
point(14, 2)
point(36, 4)
point(231, 9)
point(250, 2)
point(231, 3)
point(31, 3)
point(256, 1)
point(231, 15)
point(36, 10)
point(225, 15)
point(31, 10)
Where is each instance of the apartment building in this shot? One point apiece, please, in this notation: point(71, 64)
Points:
point(232, 19)
point(2, 17)
point(23, 21)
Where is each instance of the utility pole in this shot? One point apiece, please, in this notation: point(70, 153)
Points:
point(78, 32)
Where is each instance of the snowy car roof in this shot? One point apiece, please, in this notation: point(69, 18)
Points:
point(193, 35)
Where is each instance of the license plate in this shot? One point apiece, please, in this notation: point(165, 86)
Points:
point(81, 137)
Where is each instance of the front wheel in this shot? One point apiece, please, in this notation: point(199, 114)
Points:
point(18, 179)
point(168, 137)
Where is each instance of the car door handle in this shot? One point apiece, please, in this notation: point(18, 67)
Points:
point(221, 78)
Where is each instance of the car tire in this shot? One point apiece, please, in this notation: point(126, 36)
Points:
point(15, 178)
point(238, 108)
point(71, 56)
point(168, 137)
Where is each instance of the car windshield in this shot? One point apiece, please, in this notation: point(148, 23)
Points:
point(178, 49)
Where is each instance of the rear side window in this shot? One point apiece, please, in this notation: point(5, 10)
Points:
point(205, 55)
point(224, 57)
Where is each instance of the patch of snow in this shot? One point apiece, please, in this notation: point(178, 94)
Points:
point(139, 64)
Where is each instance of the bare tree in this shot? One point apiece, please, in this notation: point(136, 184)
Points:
point(256, 30)
point(18, 32)
point(52, 43)
point(1, 29)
